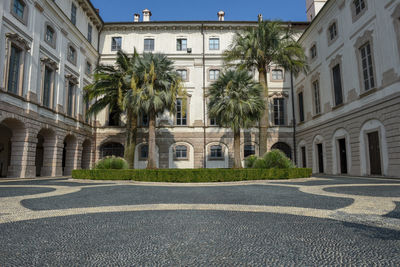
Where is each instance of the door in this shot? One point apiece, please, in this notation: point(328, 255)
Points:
point(343, 156)
point(320, 159)
point(374, 153)
point(303, 156)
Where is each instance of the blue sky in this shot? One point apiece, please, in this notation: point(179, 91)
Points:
point(123, 10)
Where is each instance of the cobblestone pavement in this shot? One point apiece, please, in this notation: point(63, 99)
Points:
point(311, 222)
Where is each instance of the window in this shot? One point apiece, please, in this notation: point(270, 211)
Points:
point(18, 9)
point(47, 86)
point(14, 70)
point(317, 101)
point(112, 149)
point(71, 56)
point(337, 85)
point(213, 122)
point(86, 110)
point(277, 74)
point(144, 152)
point(88, 68)
point(50, 36)
point(367, 67)
point(313, 51)
point(213, 75)
point(214, 44)
point(148, 44)
point(249, 150)
point(113, 117)
point(144, 120)
point(180, 114)
point(301, 107)
point(73, 14)
point(279, 111)
point(181, 44)
point(181, 152)
point(89, 35)
point(70, 99)
point(359, 5)
point(182, 74)
point(216, 152)
point(332, 31)
point(116, 43)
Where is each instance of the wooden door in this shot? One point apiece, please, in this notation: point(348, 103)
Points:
point(320, 159)
point(343, 156)
point(374, 153)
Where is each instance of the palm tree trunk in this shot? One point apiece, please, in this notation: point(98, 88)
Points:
point(130, 139)
point(151, 162)
point(236, 148)
point(263, 127)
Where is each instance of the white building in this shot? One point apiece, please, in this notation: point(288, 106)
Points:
point(49, 48)
point(348, 104)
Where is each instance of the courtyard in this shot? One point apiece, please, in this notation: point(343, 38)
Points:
point(315, 221)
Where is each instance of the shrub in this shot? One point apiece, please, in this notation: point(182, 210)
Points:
point(260, 163)
point(277, 159)
point(112, 163)
point(192, 175)
point(249, 161)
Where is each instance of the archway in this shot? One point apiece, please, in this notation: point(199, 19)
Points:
point(45, 152)
point(12, 142)
point(86, 154)
point(285, 148)
point(111, 149)
point(69, 154)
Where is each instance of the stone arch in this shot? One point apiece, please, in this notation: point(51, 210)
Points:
point(181, 163)
point(13, 150)
point(368, 128)
point(337, 156)
point(213, 162)
point(319, 155)
point(70, 155)
point(45, 152)
point(285, 148)
point(140, 162)
point(86, 154)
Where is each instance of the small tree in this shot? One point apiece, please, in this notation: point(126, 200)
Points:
point(235, 101)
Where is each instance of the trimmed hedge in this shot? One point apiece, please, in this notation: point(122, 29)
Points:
point(192, 175)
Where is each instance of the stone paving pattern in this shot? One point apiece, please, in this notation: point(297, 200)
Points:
point(306, 222)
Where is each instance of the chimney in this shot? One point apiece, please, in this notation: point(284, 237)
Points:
point(221, 16)
point(136, 17)
point(146, 15)
point(260, 18)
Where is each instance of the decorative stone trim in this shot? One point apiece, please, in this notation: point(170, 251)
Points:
point(50, 62)
point(17, 39)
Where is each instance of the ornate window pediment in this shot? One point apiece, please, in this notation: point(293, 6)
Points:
point(16, 38)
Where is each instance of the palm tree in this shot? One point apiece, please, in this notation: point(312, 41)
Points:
point(235, 101)
point(271, 42)
point(110, 86)
point(154, 89)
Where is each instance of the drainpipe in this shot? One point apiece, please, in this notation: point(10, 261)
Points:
point(204, 100)
point(293, 120)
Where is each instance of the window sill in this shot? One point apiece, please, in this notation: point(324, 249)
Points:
point(181, 159)
point(316, 116)
point(216, 159)
point(337, 106)
point(369, 92)
point(300, 123)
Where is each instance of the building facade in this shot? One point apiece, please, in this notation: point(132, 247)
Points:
point(348, 104)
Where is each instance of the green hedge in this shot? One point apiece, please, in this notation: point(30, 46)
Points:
point(192, 175)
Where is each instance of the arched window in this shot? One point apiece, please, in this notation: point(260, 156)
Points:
point(277, 75)
point(181, 152)
point(285, 148)
point(249, 150)
point(112, 149)
point(144, 152)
